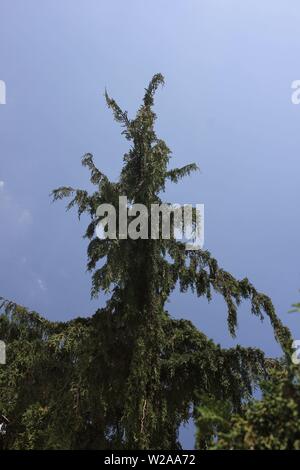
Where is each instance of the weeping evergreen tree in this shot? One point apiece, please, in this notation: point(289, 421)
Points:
point(130, 375)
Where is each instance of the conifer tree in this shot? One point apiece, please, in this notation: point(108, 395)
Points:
point(132, 373)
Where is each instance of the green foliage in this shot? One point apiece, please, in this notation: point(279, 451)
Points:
point(296, 308)
point(130, 375)
point(213, 416)
point(65, 384)
point(272, 423)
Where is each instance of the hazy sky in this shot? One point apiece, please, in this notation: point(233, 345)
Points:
point(226, 105)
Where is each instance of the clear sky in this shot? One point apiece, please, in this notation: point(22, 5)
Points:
point(226, 105)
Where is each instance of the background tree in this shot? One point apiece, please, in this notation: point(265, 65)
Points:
point(272, 423)
point(130, 375)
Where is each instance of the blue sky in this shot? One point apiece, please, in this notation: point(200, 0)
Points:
point(226, 105)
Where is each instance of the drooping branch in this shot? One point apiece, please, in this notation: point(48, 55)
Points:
point(177, 173)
